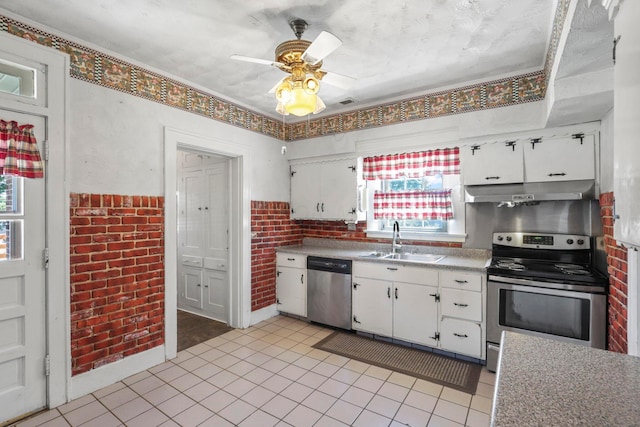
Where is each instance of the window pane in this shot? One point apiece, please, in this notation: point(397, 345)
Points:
point(10, 195)
point(17, 80)
point(10, 240)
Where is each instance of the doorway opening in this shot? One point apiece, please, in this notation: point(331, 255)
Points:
point(238, 268)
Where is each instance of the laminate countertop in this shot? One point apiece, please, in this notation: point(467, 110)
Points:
point(542, 382)
point(454, 258)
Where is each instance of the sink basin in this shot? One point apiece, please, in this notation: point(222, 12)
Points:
point(374, 255)
point(429, 258)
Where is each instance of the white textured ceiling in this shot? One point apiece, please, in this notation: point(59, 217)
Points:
point(394, 48)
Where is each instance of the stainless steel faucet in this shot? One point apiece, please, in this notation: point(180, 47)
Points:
point(395, 242)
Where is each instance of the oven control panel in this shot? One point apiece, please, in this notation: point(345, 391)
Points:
point(542, 240)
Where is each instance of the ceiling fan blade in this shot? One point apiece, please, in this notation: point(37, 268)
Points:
point(338, 80)
point(256, 60)
point(322, 46)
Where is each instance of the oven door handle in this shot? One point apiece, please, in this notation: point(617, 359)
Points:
point(548, 285)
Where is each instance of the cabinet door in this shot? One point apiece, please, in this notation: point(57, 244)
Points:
point(560, 159)
point(192, 287)
point(291, 290)
point(305, 191)
point(462, 337)
point(215, 210)
point(462, 304)
point(215, 294)
point(338, 189)
point(415, 313)
point(372, 306)
point(626, 125)
point(496, 163)
point(191, 224)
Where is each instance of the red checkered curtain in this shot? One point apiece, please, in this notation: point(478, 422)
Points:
point(19, 155)
point(433, 205)
point(412, 165)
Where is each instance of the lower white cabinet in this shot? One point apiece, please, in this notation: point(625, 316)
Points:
point(291, 283)
point(204, 291)
point(461, 337)
point(437, 308)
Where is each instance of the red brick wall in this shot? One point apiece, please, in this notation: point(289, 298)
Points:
point(117, 277)
point(272, 227)
point(617, 267)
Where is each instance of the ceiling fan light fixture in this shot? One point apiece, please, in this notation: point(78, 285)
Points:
point(283, 92)
point(280, 109)
point(301, 102)
point(311, 85)
point(319, 105)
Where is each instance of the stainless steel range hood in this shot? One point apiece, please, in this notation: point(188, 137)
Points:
point(530, 192)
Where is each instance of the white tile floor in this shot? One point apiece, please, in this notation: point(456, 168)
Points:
point(269, 375)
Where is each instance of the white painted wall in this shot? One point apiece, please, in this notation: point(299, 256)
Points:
point(116, 145)
point(606, 152)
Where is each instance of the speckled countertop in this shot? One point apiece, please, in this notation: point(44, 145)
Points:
point(542, 382)
point(455, 258)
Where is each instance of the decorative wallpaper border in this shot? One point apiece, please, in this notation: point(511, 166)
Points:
point(98, 68)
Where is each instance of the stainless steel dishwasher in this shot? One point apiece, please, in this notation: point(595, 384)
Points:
point(329, 291)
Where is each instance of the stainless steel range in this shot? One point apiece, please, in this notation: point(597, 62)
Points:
point(545, 285)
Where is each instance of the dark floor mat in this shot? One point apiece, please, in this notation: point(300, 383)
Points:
point(194, 329)
point(458, 374)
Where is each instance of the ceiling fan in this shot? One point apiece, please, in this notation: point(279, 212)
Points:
point(301, 59)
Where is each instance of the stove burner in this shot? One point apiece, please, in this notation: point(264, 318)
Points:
point(510, 265)
point(573, 269)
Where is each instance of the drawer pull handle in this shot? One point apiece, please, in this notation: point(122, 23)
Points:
point(462, 282)
point(392, 268)
point(461, 335)
point(291, 259)
point(492, 177)
point(459, 304)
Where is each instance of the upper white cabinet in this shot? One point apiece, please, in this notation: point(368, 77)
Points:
point(560, 159)
point(499, 163)
point(325, 190)
point(543, 159)
point(626, 125)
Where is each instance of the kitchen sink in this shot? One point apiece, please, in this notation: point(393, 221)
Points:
point(374, 255)
point(426, 258)
point(429, 258)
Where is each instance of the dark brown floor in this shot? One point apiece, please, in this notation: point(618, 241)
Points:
point(194, 329)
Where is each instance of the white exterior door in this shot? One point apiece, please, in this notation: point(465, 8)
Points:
point(23, 344)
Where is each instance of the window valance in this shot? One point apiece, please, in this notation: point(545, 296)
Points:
point(444, 161)
point(19, 155)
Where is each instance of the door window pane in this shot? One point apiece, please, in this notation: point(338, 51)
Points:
point(11, 217)
point(17, 80)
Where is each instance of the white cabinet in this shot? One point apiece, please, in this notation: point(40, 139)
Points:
point(372, 306)
point(396, 301)
point(291, 283)
point(560, 159)
point(325, 190)
point(543, 159)
point(203, 207)
point(495, 163)
point(437, 308)
point(462, 327)
point(626, 125)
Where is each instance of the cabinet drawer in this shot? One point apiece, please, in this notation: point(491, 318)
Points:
point(461, 337)
point(284, 259)
point(459, 280)
point(396, 273)
point(462, 304)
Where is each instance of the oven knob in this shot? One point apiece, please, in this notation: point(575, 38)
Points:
point(569, 241)
point(508, 238)
point(500, 238)
point(580, 242)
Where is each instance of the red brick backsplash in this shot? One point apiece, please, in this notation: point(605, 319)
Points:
point(617, 268)
point(117, 277)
